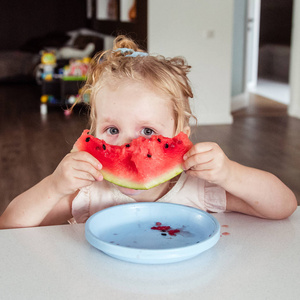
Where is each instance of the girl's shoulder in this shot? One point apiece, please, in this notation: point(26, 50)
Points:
point(198, 193)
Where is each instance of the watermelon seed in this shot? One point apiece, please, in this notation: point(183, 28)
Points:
point(159, 140)
point(166, 145)
point(149, 155)
point(127, 145)
point(87, 139)
point(104, 147)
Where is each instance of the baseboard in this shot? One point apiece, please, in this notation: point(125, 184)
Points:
point(240, 101)
point(213, 119)
point(294, 111)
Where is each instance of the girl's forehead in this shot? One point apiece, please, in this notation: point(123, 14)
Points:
point(136, 89)
point(113, 83)
point(132, 100)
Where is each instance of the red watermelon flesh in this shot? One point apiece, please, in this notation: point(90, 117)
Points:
point(141, 164)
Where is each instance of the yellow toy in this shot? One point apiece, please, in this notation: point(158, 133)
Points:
point(44, 98)
point(48, 63)
point(48, 58)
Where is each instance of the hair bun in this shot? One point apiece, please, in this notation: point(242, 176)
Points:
point(123, 41)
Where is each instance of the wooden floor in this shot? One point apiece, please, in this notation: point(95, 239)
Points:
point(31, 146)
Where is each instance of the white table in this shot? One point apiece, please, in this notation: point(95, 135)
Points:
point(259, 259)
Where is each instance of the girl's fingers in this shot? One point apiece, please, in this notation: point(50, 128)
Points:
point(86, 176)
point(202, 153)
point(199, 148)
point(82, 165)
point(87, 171)
point(203, 167)
point(86, 157)
point(198, 159)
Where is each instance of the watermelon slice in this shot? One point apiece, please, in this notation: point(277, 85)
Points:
point(140, 165)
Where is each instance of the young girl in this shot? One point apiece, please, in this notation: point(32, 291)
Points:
point(134, 94)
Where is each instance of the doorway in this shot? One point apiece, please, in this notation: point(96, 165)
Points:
point(268, 49)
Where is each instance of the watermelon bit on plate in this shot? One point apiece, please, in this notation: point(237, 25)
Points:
point(141, 164)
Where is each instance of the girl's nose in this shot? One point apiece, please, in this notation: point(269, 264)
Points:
point(126, 139)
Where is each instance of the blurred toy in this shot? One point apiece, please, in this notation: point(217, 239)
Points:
point(49, 99)
point(67, 112)
point(71, 52)
point(48, 58)
point(86, 98)
point(44, 98)
point(71, 100)
point(77, 69)
point(48, 63)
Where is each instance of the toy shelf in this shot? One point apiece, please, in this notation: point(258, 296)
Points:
point(60, 92)
point(60, 82)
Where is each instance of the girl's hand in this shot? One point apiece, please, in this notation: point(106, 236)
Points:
point(248, 190)
point(207, 161)
point(76, 170)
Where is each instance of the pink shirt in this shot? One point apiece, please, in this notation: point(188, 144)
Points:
point(188, 191)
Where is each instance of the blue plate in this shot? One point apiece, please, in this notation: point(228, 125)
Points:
point(152, 233)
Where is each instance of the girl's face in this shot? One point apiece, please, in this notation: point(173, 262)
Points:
point(128, 109)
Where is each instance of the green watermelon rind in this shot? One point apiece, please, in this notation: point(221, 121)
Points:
point(142, 186)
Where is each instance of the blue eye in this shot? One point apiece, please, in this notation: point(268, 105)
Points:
point(147, 131)
point(113, 130)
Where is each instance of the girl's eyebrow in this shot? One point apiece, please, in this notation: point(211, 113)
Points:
point(149, 123)
point(107, 119)
point(142, 120)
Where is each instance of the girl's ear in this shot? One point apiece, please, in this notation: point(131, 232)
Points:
point(187, 130)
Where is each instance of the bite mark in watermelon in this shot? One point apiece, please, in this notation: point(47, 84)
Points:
point(141, 164)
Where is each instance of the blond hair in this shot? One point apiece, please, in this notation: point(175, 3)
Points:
point(168, 75)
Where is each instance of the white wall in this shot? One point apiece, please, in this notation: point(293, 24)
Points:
point(294, 107)
point(201, 31)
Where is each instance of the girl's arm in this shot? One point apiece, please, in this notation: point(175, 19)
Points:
point(258, 193)
point(31, 207)
point(49, 201)
point(250, 191)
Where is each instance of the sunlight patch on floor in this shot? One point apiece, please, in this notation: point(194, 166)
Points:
point(277, 91)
